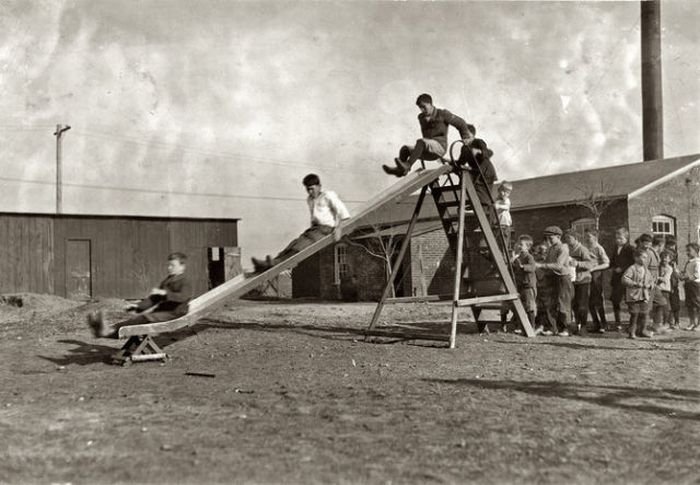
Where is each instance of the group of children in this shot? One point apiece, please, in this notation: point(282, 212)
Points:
point(560, 281)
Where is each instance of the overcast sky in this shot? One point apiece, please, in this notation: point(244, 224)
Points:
point(236, 101)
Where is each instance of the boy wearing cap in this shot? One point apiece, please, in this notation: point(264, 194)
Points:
point(434, 124)
point(326, 210)
point(558, 280)
point(583, 262)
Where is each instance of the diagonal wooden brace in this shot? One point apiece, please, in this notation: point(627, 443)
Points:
point(139, 348)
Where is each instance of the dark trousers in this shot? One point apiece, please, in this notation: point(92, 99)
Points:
point(558, 305)
point(582, 293)
point(155, 316)
point(596, 301)
point(306, 239)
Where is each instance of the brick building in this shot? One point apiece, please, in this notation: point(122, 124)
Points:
point(660, 197)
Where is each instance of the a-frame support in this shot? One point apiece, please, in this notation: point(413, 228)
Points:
point(139, 348)
point(467, 194)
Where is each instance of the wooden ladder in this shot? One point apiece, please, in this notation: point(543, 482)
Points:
point(453, 196)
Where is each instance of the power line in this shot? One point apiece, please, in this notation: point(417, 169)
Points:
point(163, 192)
point(210, 153)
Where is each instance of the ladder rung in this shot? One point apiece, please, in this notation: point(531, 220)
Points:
point(448, 203)
point(446, 188)
point(486, 299)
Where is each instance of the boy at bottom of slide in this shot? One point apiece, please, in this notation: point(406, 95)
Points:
point(166, 302)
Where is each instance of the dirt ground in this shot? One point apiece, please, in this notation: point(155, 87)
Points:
point(298, 397)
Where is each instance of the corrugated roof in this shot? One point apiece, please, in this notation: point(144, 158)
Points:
point(400, 229)
point(614, 182)
point(559, 189)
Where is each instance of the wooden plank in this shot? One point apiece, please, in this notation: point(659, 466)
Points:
point(208, 302)
point(459, 258)
point(445, 297)
point(479, 300)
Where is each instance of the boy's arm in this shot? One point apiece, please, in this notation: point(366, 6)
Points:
point(627, 279)
point(529, 266)
point(562, 261)
point(460, 124)
point(339, 211)
point(587, 262)
point(602, 259)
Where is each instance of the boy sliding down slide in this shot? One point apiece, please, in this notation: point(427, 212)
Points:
point(167, 302)
point(326, 210)
point(434, 124)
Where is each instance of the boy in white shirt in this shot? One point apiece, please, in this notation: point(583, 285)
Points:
point(326, 210)
point(502, 207)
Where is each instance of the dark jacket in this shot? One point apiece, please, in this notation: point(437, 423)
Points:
point(435, 127)
point(179, 293)
point(622, 260)
point(524, 271)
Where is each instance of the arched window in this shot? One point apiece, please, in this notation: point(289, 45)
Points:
point(663, 225)
point(579, 226)
point(341, 262)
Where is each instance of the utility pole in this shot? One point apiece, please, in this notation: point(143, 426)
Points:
point(60, 129)
point(652, 92)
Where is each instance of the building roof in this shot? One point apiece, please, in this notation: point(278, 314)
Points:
point(119, 216)
point(616, 181)
point(421, 227)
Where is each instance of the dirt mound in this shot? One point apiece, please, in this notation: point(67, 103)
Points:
point(42, 314)
point(34, 302)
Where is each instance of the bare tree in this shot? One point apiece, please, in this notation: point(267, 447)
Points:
point(597, 198)
point(378, 246)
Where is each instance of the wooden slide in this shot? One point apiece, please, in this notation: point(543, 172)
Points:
point(239, 286)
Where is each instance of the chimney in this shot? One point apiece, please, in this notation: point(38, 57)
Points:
point(652, 94)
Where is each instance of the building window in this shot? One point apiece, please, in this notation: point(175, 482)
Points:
point(580, 226)
point(341, 262)
point(663, 226)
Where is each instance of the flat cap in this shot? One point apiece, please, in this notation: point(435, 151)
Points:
point(552, 231)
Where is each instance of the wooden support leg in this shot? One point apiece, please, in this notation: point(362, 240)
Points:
point(399, 259)
point(498, 257)
point(139, 348)
point(458, 261)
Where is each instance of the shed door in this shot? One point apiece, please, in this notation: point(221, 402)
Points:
point(78, 273)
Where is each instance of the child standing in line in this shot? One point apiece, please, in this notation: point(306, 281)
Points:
point(638, 283)
point(621, 258)
point(542, 295)
point(662, 291)
point(502, 207)
point(673, 315)
point(691, 277)
point(506, 306)
point(525, 277)
point(167, 302)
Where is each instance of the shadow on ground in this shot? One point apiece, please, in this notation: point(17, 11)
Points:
point(610, 396)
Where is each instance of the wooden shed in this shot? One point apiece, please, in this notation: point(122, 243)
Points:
point(89, 256)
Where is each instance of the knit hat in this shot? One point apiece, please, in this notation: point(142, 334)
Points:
point(552, 231)
point(481, 145)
